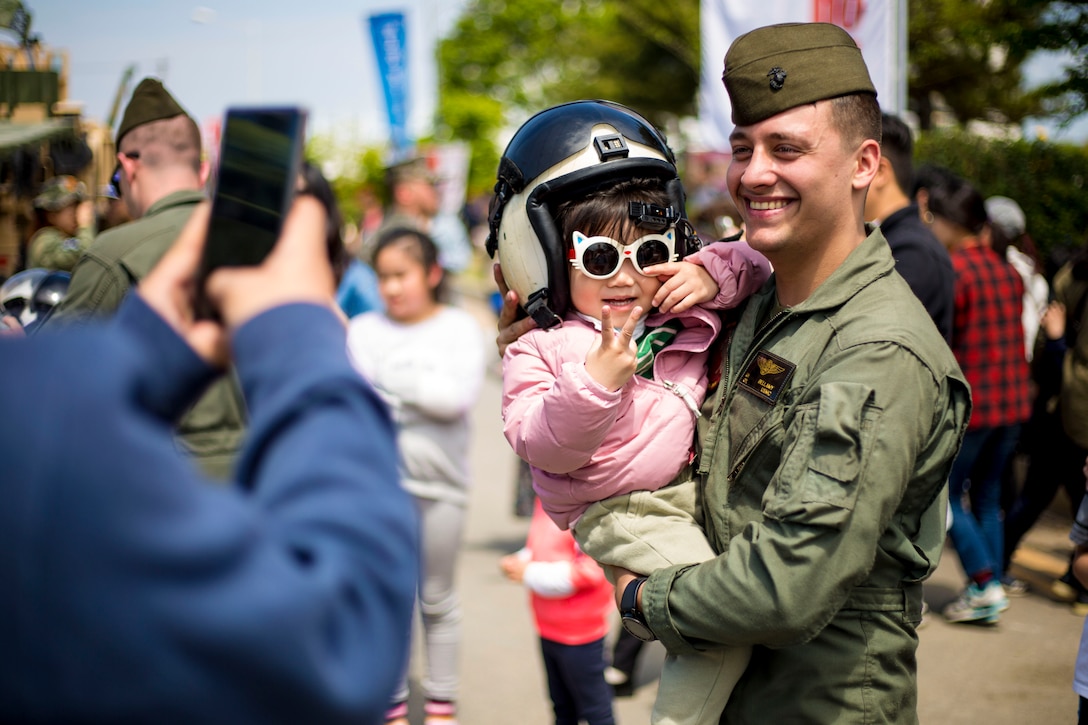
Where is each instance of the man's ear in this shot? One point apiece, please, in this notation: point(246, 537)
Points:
point(128, 165)
point(867, 163)
point(922, 199)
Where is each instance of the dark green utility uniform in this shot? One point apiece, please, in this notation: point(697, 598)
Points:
point(116, 262)
point(825, 459)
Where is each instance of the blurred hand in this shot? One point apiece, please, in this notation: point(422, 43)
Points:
point(1053, 322)
point(297, 270)
point(611, 359)
point(685, 285)
point(510, 327)
point(169, 288)
point(513, 567)
point(10, 327)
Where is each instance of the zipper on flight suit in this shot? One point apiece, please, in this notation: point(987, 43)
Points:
point(760, 334)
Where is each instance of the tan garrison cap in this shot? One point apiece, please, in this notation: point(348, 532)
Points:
point(150, 102)
point(415, 168)
point(778, 67)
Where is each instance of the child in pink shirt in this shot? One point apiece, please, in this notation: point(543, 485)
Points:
point(572, 602)
point(604, 406)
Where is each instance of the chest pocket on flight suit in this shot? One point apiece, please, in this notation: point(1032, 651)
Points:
point(818, 481)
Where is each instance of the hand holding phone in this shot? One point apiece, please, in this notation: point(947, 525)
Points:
point(259, 160)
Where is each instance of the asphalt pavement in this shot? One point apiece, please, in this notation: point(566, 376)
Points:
point(1014, 673)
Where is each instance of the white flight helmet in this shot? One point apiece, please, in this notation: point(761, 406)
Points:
point(560, 154)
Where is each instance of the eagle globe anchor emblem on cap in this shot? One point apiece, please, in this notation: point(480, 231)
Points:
point(777, 77)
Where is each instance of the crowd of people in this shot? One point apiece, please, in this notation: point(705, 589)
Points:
point(753, 449)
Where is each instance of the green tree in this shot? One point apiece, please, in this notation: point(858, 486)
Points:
point(971, 55)
point(356, 173)
point(1064, 28)
point(968, 54)
point(504, 61)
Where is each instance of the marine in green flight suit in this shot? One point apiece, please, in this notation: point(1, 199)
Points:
point(838, 411)
point(161, 177)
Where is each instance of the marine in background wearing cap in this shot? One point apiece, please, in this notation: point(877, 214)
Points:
point(414, 203)
point(58, 245)
point(836, 419)
point(160, 175)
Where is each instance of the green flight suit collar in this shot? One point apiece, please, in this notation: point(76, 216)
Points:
point(178, 198)
point(871, 260)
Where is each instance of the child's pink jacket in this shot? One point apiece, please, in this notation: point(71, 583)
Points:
point(585, 443)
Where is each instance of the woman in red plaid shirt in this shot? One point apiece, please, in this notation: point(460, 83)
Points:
point(988, 342)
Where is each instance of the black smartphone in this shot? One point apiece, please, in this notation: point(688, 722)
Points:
point(259, 160)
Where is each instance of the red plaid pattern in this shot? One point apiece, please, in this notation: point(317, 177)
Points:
point(988, 337)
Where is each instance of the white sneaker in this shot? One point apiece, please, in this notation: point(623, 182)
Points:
point(978, 604)
point(615, 676)
point(1015, 587)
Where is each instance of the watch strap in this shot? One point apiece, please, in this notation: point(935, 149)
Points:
point(629, 599)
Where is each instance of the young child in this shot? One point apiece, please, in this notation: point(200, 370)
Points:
point(606, 416)
point(572, 604)
point(427, 360)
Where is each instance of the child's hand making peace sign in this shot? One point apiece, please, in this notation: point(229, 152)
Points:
point(611, 360)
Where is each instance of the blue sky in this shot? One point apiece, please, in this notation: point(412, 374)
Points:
point(314, 53)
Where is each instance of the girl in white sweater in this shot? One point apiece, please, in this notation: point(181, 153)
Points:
point(427, 360)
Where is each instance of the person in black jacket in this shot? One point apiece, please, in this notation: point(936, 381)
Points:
point(919, 257)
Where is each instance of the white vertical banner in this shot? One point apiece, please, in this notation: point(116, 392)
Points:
point(877, 26)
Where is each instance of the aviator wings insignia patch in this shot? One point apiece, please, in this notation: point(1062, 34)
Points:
point(767, 375)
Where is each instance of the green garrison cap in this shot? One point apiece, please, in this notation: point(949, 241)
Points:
point(778, 67)
point(149, 102)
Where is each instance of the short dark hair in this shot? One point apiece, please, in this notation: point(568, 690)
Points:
point(417, 244)
point(960, 203)
point(316, 185)
point(605, 211)
point(929, 177)
point(858, 117)
point(897, 145)
point(167, 142)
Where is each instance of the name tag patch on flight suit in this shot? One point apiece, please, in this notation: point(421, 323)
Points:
point(767, 375)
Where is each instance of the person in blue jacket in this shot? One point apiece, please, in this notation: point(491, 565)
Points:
point(133, 591)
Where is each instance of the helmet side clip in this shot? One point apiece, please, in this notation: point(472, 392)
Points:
point(538, 308)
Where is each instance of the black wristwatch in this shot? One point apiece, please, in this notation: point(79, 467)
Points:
point(630, 616)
